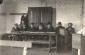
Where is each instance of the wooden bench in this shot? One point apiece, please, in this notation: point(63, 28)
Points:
point(24, 44)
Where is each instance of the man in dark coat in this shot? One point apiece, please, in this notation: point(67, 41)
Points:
point(24, 22)
point(69, 31)
point(49, 27)
point(60, 31)
point(32, 27)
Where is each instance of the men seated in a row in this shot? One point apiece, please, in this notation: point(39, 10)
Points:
point(41, 27)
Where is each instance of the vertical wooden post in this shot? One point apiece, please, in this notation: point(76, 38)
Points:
point(78, 51)
point(25, 51)
point(49, 43)
point(56, 43)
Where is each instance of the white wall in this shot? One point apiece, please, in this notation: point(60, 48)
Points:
point(2, 22)
point(66, 11)
point(69, 11)
point(21, 6)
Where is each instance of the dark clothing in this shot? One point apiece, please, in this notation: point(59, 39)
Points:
point(25, 20)
point(23, 29)
point(32, 29)
point(17, 29)
point(60, 38)
point(69, 32)
point(50, 29)
point(58, 29)
point(41, 30)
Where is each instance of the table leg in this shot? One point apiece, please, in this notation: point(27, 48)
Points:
point(78, 51)
point(49, 43)
point(25, 51)
point(56, 43)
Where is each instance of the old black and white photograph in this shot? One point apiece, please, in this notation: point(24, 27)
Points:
point(42, 27)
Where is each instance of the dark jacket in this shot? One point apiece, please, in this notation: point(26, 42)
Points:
point(32, 29)
point(50, 29)
point(17, 29)
point(70, 30)
point(58, 29)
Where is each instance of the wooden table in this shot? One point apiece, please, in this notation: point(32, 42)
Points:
point(24, 44)
point(50, 34)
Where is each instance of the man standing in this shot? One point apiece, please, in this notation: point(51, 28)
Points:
point(69, 31)
point(60, 31)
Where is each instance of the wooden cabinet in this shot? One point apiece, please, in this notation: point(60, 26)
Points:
point(39, 14)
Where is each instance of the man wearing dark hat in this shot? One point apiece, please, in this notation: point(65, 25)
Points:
point(60, 31)
point(69, 31)
point(49, 27)
point(32, 27)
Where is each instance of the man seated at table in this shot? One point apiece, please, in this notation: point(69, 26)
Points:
point(17, 28)
point(49, 27)
point(60, 31)
point(41, 27)
point(14, 29)
point(32, 27)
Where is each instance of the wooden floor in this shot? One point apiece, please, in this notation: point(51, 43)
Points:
point(33, 51)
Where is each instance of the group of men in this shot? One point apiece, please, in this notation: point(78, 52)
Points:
point(32, 27)
point(60, 31)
